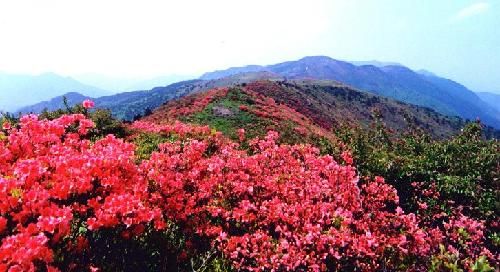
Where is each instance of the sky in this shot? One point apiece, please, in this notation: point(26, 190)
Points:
point(457, 39)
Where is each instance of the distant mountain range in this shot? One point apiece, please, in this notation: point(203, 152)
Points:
point(18, 90)
point(130, 105)
point(395, 81)
point(421, 88)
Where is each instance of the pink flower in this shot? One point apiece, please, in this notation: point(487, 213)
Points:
point(347, 157)
point(88, 104)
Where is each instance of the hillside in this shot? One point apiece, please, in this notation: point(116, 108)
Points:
point(129, 105)
point(306, 106)
point(465, 101)
point(394, 81)
point(17, 90)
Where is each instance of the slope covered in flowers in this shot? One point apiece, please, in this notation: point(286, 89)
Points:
point(70, 201)
point(328, 104)
point(230, 110)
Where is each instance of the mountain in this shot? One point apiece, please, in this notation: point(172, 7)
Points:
point(394, 81)
point(18, 90)
point(327, 103)
point(129, 105)
point(299, 109)
point(55, 103)
point(491, 99)
point(465, 102)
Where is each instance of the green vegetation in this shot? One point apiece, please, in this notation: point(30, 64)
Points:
point(147, 143)
point(228, 124)
point(464, 167)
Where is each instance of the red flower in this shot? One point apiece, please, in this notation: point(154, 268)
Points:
point(273, 207)
point(3, 224)
point(88, 104)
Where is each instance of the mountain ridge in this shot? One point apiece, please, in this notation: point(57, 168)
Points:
point(395, 81)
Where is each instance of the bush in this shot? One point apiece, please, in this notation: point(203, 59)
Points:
point(202, 202)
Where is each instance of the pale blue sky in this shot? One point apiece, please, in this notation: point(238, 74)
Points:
point(457, 39)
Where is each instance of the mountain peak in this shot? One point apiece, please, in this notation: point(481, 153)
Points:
point(322, 60)
point(316, 58)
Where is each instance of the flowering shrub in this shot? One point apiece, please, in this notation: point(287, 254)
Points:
point(65, 199)
point(50, 177)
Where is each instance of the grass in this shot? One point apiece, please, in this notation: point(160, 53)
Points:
point(229, 125)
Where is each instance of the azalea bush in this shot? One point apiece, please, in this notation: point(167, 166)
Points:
point(199, 201)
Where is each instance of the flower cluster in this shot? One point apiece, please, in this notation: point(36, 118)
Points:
point(50, 176)
point(88, 104)
point(272, 207)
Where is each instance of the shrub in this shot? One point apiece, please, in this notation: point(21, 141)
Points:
point(201, 201)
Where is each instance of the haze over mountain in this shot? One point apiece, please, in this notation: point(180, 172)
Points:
point(55, 103)
point(492, 99)
point(128, 105)
point(125, 84)
point(394, 81)
point(343, 104)
point(375, 63)
point(18, 90)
